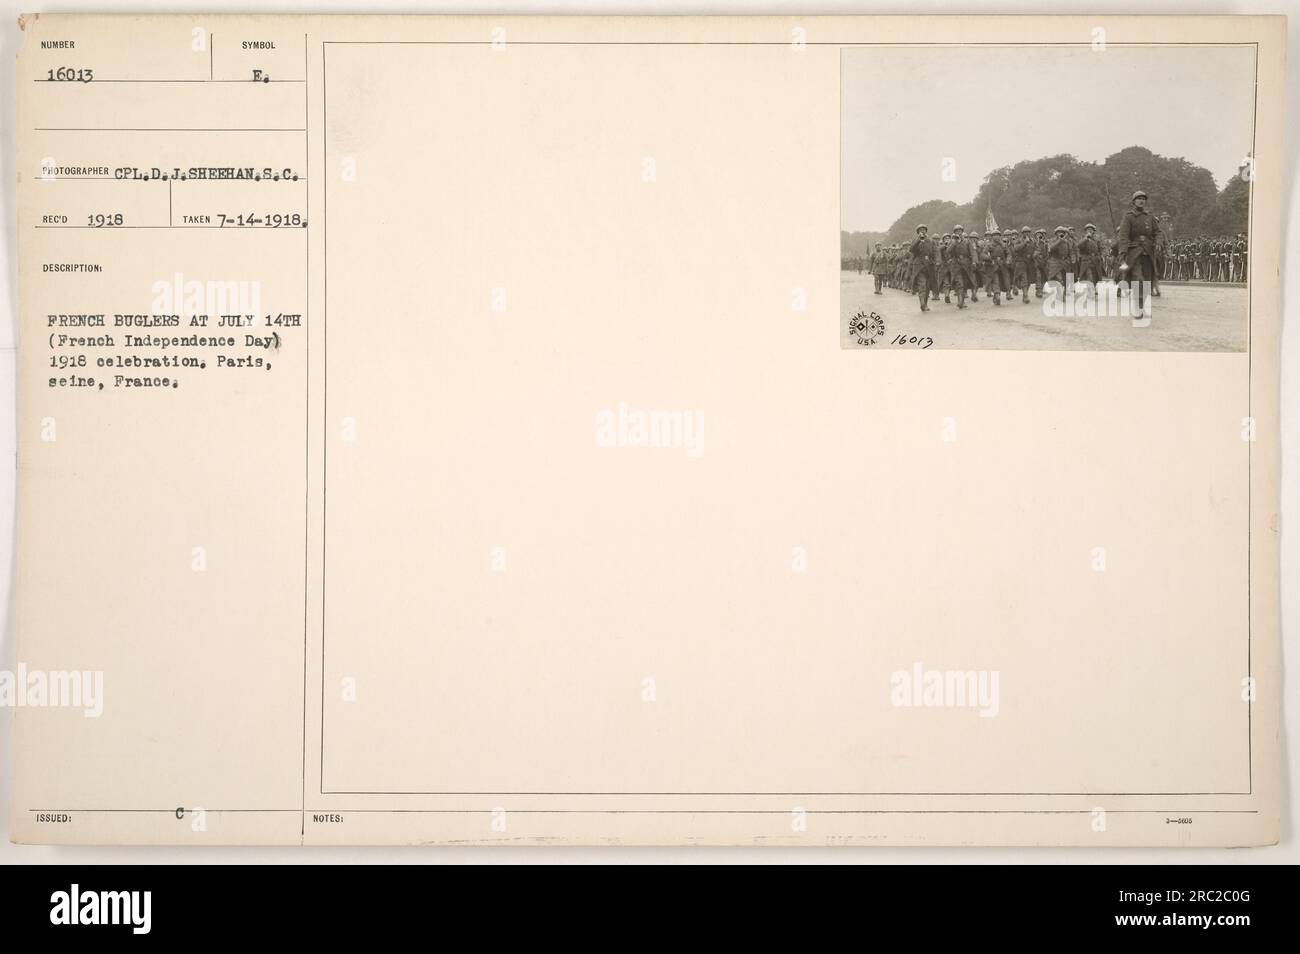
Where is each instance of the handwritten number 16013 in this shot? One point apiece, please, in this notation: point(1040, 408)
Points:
point(921, 341)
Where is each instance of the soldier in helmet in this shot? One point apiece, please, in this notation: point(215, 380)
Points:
point(961, 265)
point(1040, 261)
point(1023, 272)
point(1138, 232)
point(1058, 258)
point(994, 261)
point(923, 256)
point(879, 267)
point(945, 243)
point(1010, 239)
point(1091, 268)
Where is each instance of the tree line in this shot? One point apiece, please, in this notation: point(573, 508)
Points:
point(1062, 190)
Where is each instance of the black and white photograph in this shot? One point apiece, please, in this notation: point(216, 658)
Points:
point(1074, 198)
point(428, 444)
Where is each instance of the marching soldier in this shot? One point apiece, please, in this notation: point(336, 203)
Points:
point(961, 270)
point(1040, 261)
point(1091, 269)
point(922, 253)
point(945, 285)
point(1023, 271)
point(879, 268)
point(1138, 232)
point(1009, 257)
point(977, 262)
point(1058, 257)
point(994, 259)
point(1011, 241)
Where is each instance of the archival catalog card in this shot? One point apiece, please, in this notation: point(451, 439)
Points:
point(713, 430)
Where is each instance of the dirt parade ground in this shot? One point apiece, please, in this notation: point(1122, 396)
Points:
point(1186, 317)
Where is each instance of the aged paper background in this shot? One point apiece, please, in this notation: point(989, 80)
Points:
point(486, 694)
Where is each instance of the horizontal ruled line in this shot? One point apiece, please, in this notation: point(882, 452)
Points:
point(676, 811)
point(167, 811)
point(823, 794)
point(98, 80)
point(223, 228)
point(166, 129)
point(847, 44)
point(186, 179)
